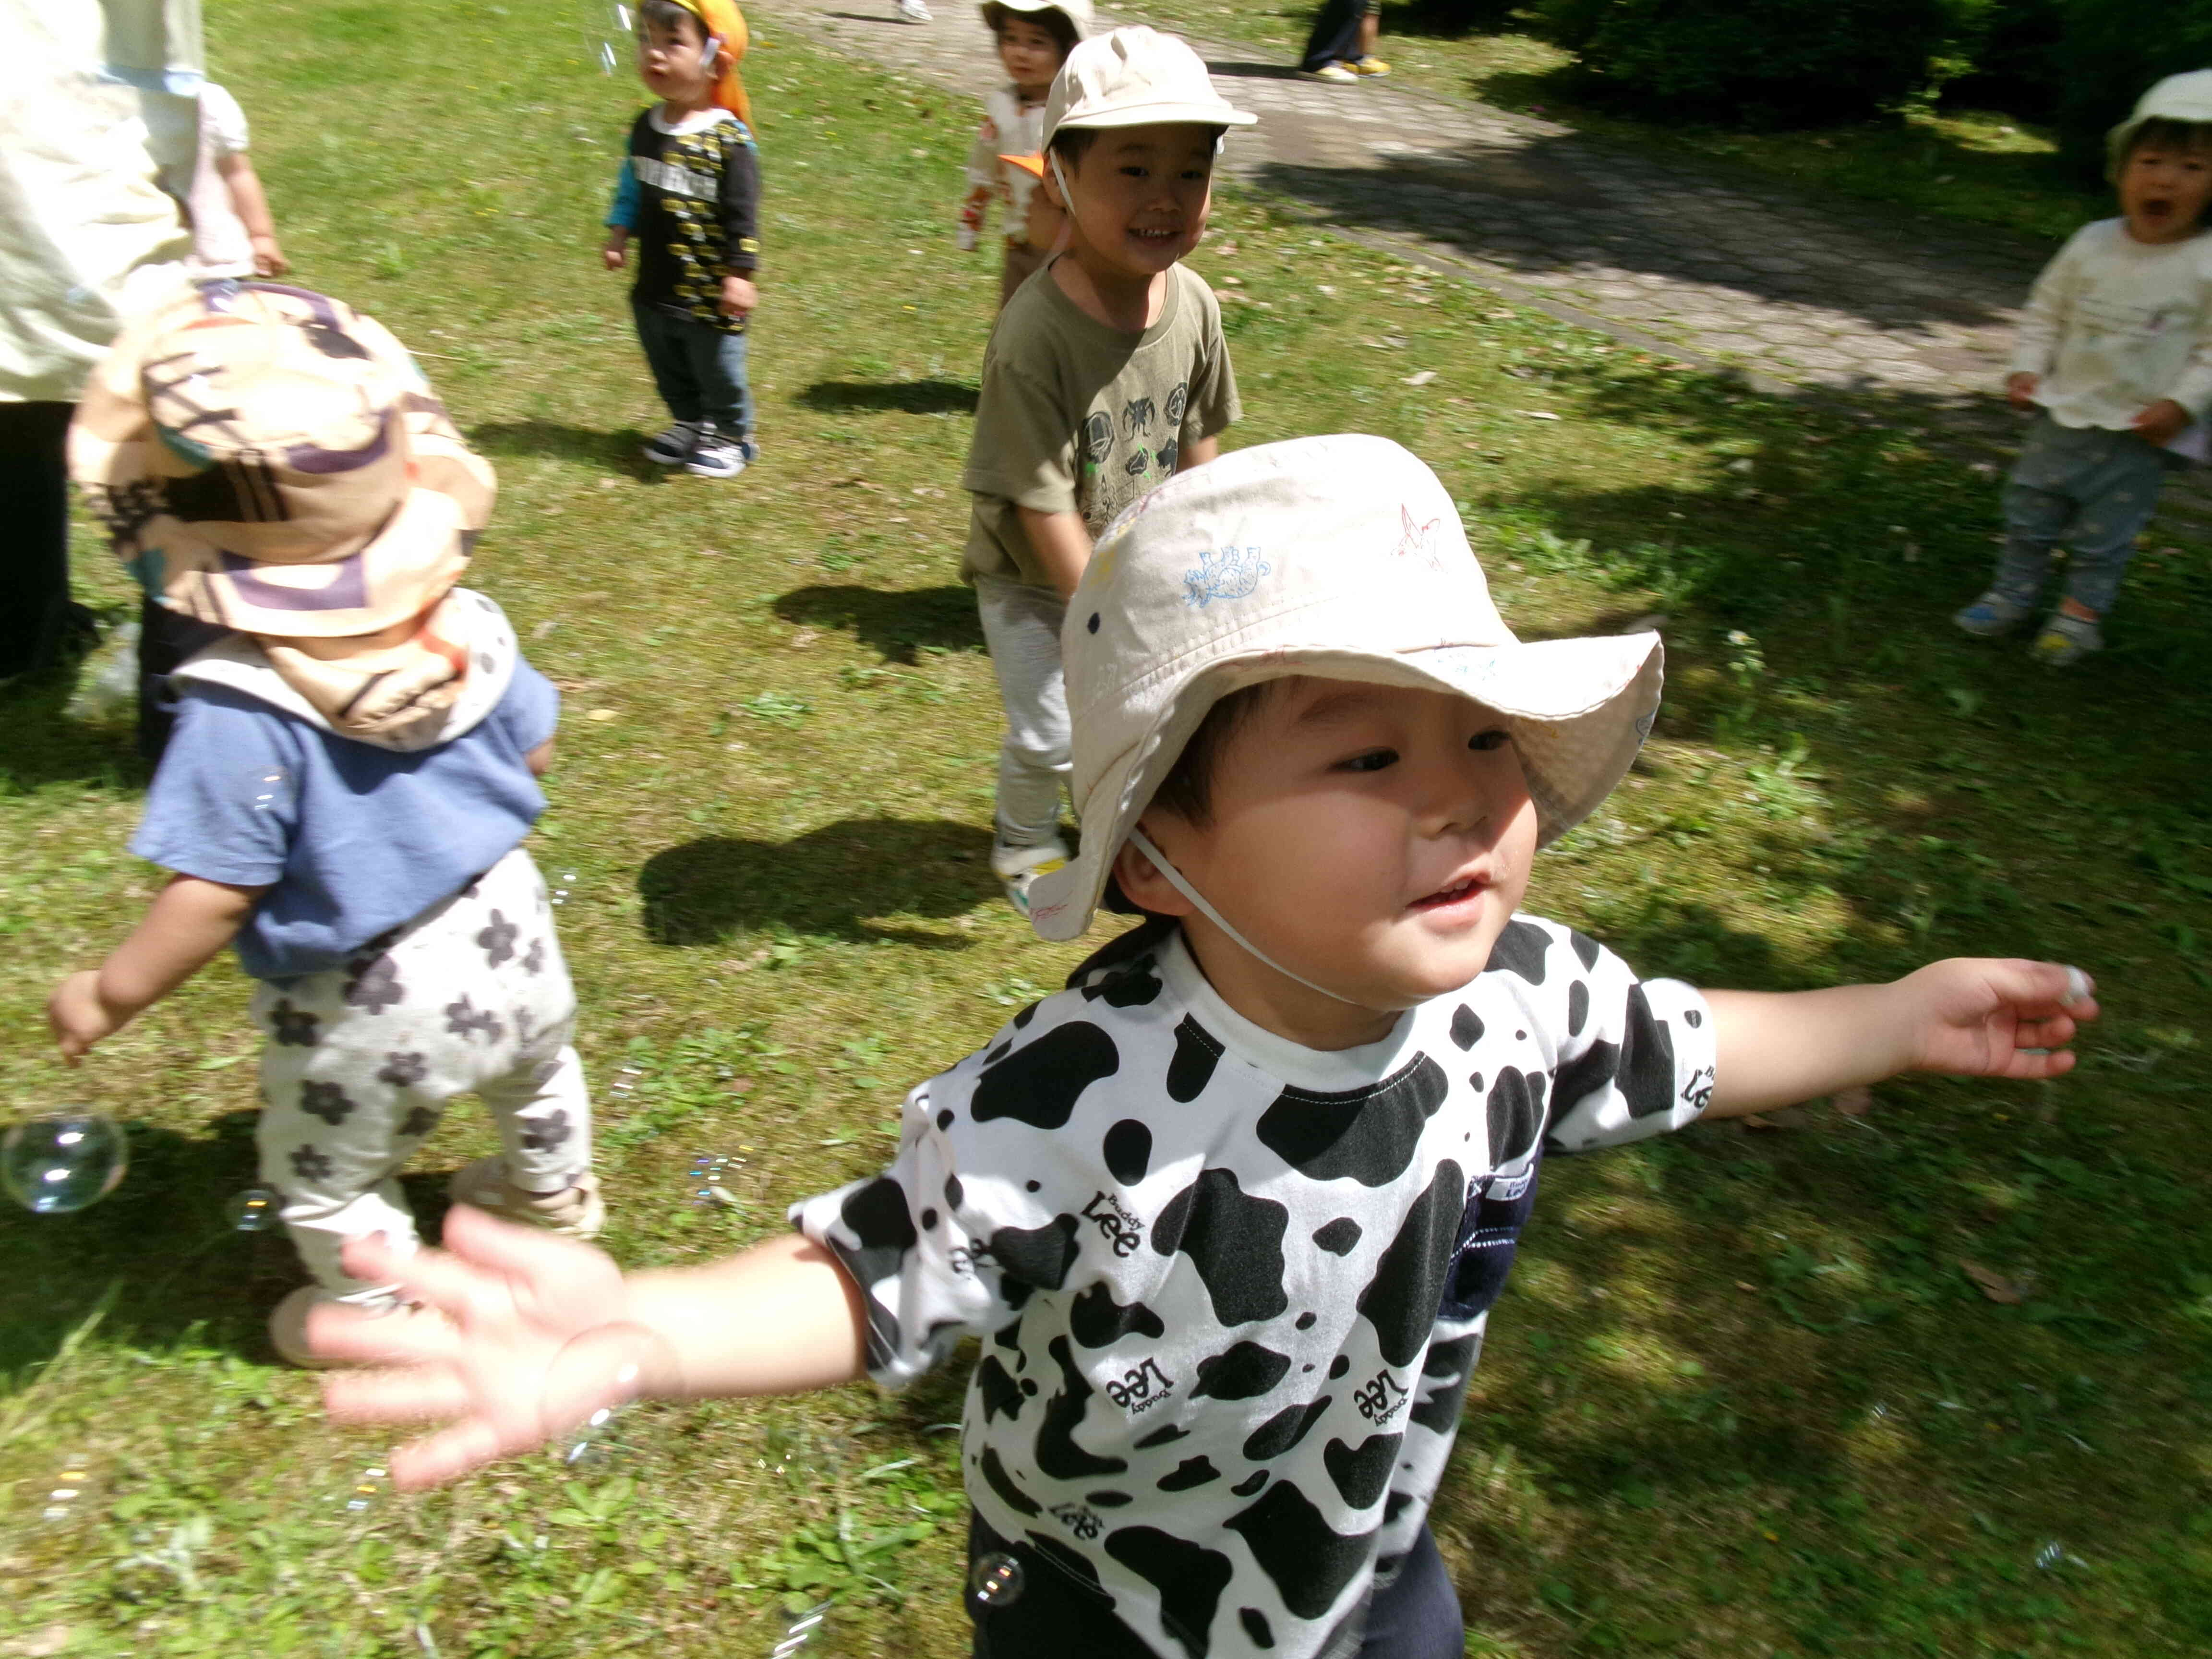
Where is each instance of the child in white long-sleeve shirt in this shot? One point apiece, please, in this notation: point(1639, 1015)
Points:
point(2115, 350)
point(1034, 37)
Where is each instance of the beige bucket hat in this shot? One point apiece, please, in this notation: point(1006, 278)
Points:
point(271, 460)
point(1339, 557)
point(2177, 98)
point(1134, 77)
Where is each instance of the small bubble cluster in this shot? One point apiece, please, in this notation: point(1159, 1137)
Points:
point(369, 1489)
point(63, 1161)
point(625, 1082)
point(68, 1485)
point(709, 1173)
point(560, 892)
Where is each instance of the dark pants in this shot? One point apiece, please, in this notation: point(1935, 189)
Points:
point(33, 532)
point(1335, 37)
point(1055, 1617)
point(700, 370)
point(165, 640)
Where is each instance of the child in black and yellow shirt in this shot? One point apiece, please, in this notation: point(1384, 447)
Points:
point(690, 190)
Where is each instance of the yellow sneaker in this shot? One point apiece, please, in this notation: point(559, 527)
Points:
point(1370, 65)
point(1016, 867)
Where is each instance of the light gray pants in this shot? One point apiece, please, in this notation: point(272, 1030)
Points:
point(2086, 488)
point(361, 1059)
point(1021, 625)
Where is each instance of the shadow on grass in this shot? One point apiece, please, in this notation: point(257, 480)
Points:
point(935, 395)
point(163, 1239)
point(897, 625)
point(831, 882)
point(45, 744)
point(557, 440)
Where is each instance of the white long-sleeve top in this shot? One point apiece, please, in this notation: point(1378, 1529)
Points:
point(2112, 325)
point(1010, 128)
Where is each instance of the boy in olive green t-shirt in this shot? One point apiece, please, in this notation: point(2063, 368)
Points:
point(1106, 375)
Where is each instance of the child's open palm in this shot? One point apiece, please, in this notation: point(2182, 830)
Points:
point(1998, 1016)
point(531, 1344)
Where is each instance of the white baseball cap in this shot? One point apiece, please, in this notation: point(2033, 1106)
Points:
point(1132, 78)
point(1077, 12)
point(1341, 557)
point(2177, 98)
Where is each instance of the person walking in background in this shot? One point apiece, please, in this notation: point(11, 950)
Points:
point(354, 768)
point(1341, 47)
point(1108, 374)
point(232, 234)
point(2115, 354)
point(690, 192)
point(1034, 39)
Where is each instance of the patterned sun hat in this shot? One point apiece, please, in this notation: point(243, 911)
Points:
point(271, 460)
point(1341, 557)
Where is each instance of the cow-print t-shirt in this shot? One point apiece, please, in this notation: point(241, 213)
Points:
point(1232, 1288)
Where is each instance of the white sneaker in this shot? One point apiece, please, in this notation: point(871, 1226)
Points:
point(1016, 867)
point(913, 11)
point(1335, 73)
point(717, 457)
point(576, 1212)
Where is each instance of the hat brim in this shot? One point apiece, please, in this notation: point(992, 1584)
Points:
point(1578, 710)
point(1160, 114)
point(1033, 165)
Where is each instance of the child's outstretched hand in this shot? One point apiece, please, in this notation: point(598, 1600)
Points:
point(532, 1342)
point(1996, 1016)
point(2021, 388)
point(2161, 422)
point(80, 1016)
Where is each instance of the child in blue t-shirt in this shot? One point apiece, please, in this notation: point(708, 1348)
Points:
point(354, 768)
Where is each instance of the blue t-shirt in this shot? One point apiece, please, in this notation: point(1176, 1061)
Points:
point(352, 840)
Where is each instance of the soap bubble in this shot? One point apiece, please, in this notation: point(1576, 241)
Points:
point(561, 889)
point(995, 1580)
point(799, 1631)
point(269, 788)
point(609, 35)
point(61, 1161)
point(707, 1180)
point(592, 1448)
point(256, 1209)
point(68, 1485)
point(625, 1082)
point(369, 1489)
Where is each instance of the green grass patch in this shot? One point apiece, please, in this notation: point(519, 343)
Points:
point(1741, 1399)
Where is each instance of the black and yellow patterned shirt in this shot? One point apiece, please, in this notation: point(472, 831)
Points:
point(692, 197)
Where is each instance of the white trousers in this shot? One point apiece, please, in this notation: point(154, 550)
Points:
point(360, 1062)
point(1021, 626)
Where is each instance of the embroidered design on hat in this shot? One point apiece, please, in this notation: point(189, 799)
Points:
point(1420, 540)
point(1228, 573)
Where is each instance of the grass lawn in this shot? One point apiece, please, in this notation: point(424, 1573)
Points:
point(1976, 165)
point(1742, 1397)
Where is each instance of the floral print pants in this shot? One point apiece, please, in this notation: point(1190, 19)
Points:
point(360, 1062)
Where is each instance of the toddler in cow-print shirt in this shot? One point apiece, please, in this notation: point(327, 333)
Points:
point(1230, 1211)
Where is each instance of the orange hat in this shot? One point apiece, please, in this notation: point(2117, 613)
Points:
point(1029, 164)
point(723, 21)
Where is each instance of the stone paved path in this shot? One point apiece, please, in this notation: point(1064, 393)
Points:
point(1790, 288)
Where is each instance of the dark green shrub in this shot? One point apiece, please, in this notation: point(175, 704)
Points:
point(2110, 51)
point(1764, 62)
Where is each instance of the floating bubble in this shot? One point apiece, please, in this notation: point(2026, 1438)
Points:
point(369, 1489)
point(61, 1161)
point(995, 1580)
point(68, 1485)
point(625, 1081)
point(256, 1209)
point(592, 1448)
point(271, 789)
point(561, 889)
point(799, 1631)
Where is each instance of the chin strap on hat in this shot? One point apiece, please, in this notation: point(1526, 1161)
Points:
point(1143, 843)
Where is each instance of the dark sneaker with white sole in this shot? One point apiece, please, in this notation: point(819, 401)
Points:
point(717, 457)
point(674, 447)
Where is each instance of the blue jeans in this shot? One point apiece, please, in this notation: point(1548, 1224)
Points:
point(700, 370)
point(2088, 489)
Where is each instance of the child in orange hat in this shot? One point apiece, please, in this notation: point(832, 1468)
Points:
point(690, 193)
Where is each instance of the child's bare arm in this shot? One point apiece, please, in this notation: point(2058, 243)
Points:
point(1199, 453)
point(540, 759)
point(1993, 1017)
point(542, 1332)
point(1062, 544)
point(188, 922)
point(252, 206)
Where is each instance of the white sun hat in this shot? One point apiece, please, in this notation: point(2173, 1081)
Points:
point(1077, 12)
point(2177, 98)
point(1134, 77)
point(1341, 557)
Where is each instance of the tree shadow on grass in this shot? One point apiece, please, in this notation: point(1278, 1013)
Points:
point(897, 625)
point(836, 882)
point(936, 395)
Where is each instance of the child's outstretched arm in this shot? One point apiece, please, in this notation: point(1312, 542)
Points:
point(541, 1332)
point(1973, 1017)
point(188, 922)
point(251, 203)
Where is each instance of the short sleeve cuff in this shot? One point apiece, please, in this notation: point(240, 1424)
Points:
point(1661, 1072)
